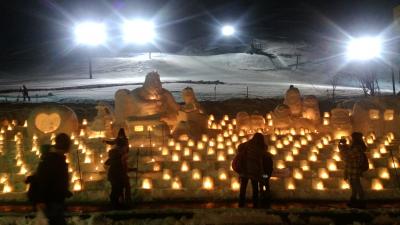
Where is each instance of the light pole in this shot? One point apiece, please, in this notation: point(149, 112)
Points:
point(139, 32)
point(366, 49)
point(90, 34)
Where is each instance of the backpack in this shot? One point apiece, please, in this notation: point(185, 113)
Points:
point(238, 162)
point(364, 164)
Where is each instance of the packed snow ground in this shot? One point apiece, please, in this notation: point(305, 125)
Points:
point(236, 70)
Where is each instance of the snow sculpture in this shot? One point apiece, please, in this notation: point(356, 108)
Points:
point(102, 124)
point(293, 100)
point(282, 116)
point(341, 123)
point(243, 121)
point(311, 109)
point(191, 118)
point(257, 122)
point(48, 119)
point(149, 102)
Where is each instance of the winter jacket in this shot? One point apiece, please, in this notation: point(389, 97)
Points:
point(352, 159)
point(116, 170)
point(51, 179)
point(252, 161)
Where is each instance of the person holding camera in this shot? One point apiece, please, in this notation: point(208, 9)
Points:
point(356, 162)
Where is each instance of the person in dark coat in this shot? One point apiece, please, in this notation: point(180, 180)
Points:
point(52, 181)
point(253, 154)
point(25, 93)
point(352, 156)
point(265, 191)
point(118, 170)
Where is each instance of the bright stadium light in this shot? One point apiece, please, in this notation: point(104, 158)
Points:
point(138, 31)
point(90, 33)
point(364, 48)
point(228, 30)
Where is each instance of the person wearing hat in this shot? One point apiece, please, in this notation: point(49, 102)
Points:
point(354, 159)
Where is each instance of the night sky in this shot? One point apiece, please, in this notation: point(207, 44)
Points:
point(34, 29)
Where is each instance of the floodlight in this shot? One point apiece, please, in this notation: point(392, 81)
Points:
point(90, 33)
point(364, 48)
point(228, 30)
point(138, 31)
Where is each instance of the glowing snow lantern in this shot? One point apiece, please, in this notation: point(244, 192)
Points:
point(211, 117)
point(376, 185)
point(196, 174)
point(344, 185)
point(289, 157)
point(211, 143)
point(376, 154)
point(382, 149)
point(165, 151)
point(196, 156)
point(187, 151)
point(388, 115)
point(326, 115)
point(242, 133)
point(370, 140)
point(147, 183)
point(303, 141)
point(178, 146)
point(235, 138)
point(220, 146)
point(176, 184)
point(286, 141)
point(175, 157)
point(200, 145)
point(166, 174)
point(208, 183)
point(222, 175)
point(336, 156)
point(290, 184)
point(325, 121)
point(312, 157)
point(297, 144)
point(184, 166)
point(235, 185)
point(295, 151)
point(280, 164)
point(318, 184)
point(210, 151)
point(7, 188)
point(270, 123)
point(273, 137)
point(231, 150)
point(279, 144)
point(77, 185)
point(331, 164)
point(23, 170)
point(322, 173)
point(384, 173)
point(304, 165)
point(221, 156)
point(297, 174)
point(272, 150)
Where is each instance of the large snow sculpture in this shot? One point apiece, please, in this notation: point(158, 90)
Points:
point(191, 118)
point(102, 124)
point(340, 123)
point(293, 100)
point(149, 102)
point(282, 116)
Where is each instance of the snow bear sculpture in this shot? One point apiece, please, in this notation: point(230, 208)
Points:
point(150, 101)
point(293, 100)
point(311, 109)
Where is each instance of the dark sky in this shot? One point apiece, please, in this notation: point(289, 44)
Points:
point(30, 27)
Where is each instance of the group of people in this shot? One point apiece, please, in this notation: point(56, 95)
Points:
point(49, 185)
point(253, 162)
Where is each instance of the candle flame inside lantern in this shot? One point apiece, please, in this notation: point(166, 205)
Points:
point(290, 184)
point(319, 185)
point(376, 155)
point(326, 115)
point(325, 121)
point(147, 183)
point(331, 165)
point(7, 188)
point(23, 170)
point(221, 156)
point(336, 156)
point(384, 173)
point(312, 157)
point(196, 157)
point(175, 157)
point(344, 185)
point(166, 174)
point(176, 184)
point(297, 174)
point(200, 145)
point(184, 167)
point(156, 167)
point(231, 151)
point(376, 185)
point(208, 183)
point(279, 144)
point(272, 150)
point(235, 185)
point(210, 151)
point(280, 164)
point(196, 174)
point(322, 173)
point(289, 157)
point(304, 165)
point(222, 175)
point(77, 185)
point(382, 149)
point(187, 151)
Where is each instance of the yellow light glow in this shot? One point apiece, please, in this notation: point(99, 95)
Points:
point(336, 156)
point(304, 165)
point(297, 174)
point(376, 155)
point(175, 157)
point(231, 150)
point(272, 150)
point(87, 159)
point(344, 185)
point(286, 141)
point(196, 156)
point(7, 188)
point(187, 151)
point(376, 185)
point(23, 170)
point(196, 174)
point(270, 123)
point(374, 114)
point(220, 146)
point(147, 183)
point(222, 175)
point(312, 157)
point(221, 156)
point(303, 141)
point(384, 173)
point(210, 151)
point(318, 185)
point(325, 121)
point(297, 144)
point(77, 186)
point(235, 138)
point(295, 151)
point(211, 117)
point(200, 145)
point(176, 184)
point(323, 173)
point(279, 144)
point(326, 115)
point(280, 164)
point(273, 137)
point(208, 183)
point(235, 185)
point(166, 174)
point(393, 163)
point(290, 184)
point(171, 143)
point(382, 149)
point(289, 157)
point(331, 164)
point(242, 133)
point(164, 151)
point(185, 166)
point(156, 167)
